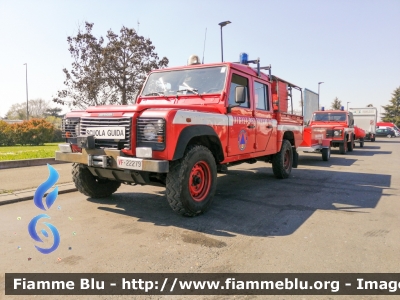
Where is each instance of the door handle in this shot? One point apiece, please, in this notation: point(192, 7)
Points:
point(269, 126)
point(251, 126)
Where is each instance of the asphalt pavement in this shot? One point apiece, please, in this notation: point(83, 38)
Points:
point(19, 184)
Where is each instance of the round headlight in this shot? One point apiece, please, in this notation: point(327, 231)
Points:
point(149, 132)
point(336, 132)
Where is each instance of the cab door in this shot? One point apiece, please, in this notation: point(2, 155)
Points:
point(242, 124)
point(266, 125)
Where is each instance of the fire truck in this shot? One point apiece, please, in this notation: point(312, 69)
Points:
point(332, 128)
point(187, 124)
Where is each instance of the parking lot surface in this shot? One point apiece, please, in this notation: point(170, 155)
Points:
point(328, 217)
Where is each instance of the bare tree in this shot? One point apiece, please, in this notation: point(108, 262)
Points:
point(37, 109)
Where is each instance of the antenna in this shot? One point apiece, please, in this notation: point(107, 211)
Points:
point(138, 24)
point(204, 48)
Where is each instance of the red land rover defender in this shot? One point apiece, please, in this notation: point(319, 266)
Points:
point(187, 123)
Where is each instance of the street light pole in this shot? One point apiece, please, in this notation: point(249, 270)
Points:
point(26, 77)
point(222, 24)
point(319, 83)
point(348, 106)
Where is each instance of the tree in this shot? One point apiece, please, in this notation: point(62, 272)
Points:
point(16, 112)
point(36, 108)
point(392, 110)
point(336, 104)
point(111, 72)
point(54, 112)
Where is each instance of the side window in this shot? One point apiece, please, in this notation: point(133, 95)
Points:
point(261, 96)
point(238, 81)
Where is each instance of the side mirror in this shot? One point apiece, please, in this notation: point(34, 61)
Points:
point(240, 94)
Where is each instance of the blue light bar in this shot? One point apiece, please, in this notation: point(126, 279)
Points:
point(243, 58)
point(342, 108)
point(323, 108)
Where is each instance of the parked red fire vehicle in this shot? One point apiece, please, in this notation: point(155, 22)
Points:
point(331, 128)
point(187, 123)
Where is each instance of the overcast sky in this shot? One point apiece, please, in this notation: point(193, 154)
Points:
point(353, 46)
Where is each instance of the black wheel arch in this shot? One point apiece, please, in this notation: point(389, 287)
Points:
point(289, 135)
point(199, 135)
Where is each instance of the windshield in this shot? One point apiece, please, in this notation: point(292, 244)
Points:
point(329, 117)
point(193, 81)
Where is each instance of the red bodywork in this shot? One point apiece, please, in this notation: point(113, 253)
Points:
point(243, 132)
point(332, 128)
point(359, 133)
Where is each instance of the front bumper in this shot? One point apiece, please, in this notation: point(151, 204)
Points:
point(312, 149)
point(107, 158)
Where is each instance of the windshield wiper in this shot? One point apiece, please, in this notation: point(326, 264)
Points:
point(194, 91)
point(155, 94)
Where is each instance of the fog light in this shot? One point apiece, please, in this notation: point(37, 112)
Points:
point(65, 148)
point(144, 152)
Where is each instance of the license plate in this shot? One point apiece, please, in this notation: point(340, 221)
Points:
point(129, 163)
point(106, 133)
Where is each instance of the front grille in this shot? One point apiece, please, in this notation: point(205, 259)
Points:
point(144, 137)
point(109, 122)
point(70, 127)
point(329, 133)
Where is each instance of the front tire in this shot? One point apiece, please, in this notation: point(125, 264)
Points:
point(90, 185)
point(283, 161)
point(350, 144)
point(192, 181)
point(326, 154)
point(342, 148)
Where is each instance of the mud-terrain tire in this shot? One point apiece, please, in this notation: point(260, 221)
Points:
point(361, 143)
point(342, 148)
point(90, 185)
point(283, 161)
point(192, 181)
point(326, 154)
point(373, 139)
point(350, 145)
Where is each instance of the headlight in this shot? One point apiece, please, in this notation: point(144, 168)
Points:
point(70, 127)
point(337, 133)
point(149, 132)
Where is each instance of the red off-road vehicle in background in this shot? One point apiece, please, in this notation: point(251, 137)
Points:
point(332, 128)
point(187, 123)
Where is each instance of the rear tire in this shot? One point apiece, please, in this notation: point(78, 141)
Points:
point(361, 144)
point(373, 139)
point(389, 136)
point(283, 161)
point(90, 185)
point(326, 154)
point(192, 181)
